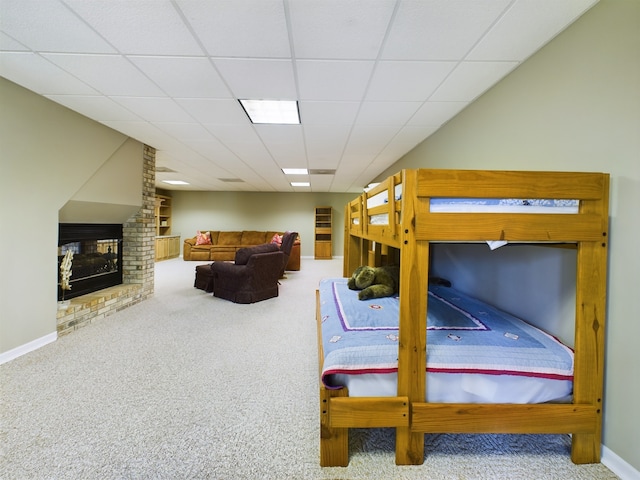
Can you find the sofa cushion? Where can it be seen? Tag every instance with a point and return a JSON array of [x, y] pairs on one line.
[[229, 238], [243, 254], [252, 237]]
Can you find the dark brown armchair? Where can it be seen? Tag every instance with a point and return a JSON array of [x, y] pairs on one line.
[[288, 238], [253, 276]]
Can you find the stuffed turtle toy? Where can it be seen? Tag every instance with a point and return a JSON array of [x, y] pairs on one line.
[[375, 282]]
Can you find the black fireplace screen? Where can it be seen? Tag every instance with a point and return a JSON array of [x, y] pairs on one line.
[[97, 257]]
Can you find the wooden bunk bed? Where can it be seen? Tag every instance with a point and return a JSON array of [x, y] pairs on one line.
[[408, 228]]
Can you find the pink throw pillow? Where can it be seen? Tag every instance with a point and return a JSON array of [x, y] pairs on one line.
[[203, 238]]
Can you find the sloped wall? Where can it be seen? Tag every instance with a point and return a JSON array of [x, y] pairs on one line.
[[49, 153]]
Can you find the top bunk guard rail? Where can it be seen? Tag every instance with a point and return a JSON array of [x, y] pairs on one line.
[[589, 189], [360, 213]]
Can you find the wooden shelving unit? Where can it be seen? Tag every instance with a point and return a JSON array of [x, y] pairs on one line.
[[167, 245], [323, 233], [163, 215]]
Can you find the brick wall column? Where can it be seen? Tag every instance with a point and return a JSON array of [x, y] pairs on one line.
[[138, 249]]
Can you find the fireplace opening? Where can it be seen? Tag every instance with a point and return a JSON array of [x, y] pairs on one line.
[[97, 256]]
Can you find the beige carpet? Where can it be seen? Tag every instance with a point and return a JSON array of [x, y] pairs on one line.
[[188, 386]]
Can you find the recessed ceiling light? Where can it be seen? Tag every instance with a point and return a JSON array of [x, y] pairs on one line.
[[300, 184], [272, 111], [295, 171], [175, 182], [231, 180]]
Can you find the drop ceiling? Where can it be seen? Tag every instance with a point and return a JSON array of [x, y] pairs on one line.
[[373, 77]]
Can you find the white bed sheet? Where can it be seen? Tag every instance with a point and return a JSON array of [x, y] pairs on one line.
[[463, 388]]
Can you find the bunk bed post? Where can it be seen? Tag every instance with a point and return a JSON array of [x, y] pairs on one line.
[[590, 329], [414, 263], [353, 247], [334, 441]]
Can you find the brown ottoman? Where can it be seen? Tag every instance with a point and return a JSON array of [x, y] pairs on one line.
[[204, 278]]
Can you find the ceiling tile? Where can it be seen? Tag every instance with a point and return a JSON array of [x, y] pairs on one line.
[[214, 111], [39, 75], [321, 183], [99, 108], [434, 114], [7, 44], [407, 81], [405, 140], [187, 77], [529, 24], [439, 29], [352, 174], [369, 139], [274, 134], [333, 80], [141, 131], [339, 29], [328, 113], [230, 28], [259, 78], [214, 150], [325, 142], [470, 79], [235, 132], [30, 22], [109, 74], [284, 144], [387, 113], [143, 27], [242, 140], [185, 131], [155, 109]]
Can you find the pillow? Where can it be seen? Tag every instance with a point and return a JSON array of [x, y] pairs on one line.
[[203, 238], [243, 254]]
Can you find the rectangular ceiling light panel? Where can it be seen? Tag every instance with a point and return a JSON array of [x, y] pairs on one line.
[[175, 182], [295, 171], [281, 112]]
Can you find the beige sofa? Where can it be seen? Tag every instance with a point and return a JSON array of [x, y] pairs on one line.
[[225, 244]]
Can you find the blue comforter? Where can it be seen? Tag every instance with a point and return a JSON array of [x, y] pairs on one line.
[[464, 336]]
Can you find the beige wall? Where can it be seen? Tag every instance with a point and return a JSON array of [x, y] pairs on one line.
[[257, 211], [49, 153], [574, 106]]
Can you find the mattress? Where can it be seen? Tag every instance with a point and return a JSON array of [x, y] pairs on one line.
[[476, 353], [479, 205]]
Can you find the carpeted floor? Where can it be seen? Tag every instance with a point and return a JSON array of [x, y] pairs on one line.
[[188, 386]]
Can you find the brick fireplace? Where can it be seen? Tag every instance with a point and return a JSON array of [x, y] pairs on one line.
[[138, 257]]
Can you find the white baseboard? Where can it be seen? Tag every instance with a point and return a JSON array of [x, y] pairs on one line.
[[27, 347], [618, 466]]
